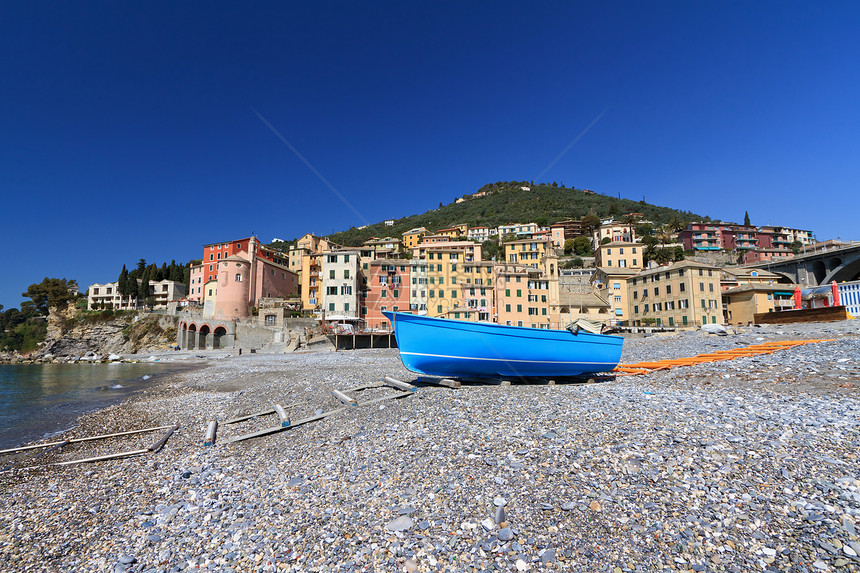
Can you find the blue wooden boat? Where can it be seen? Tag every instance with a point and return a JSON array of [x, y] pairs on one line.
[[461, 349]]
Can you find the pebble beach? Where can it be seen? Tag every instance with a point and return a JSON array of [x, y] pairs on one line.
[[742, 465]]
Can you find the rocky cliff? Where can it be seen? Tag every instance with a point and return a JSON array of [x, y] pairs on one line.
[[73, 333]]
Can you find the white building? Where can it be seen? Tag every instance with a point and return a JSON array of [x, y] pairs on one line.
[[481, 234], [340, 284], [107, 295], [418, 288], [518, 229]]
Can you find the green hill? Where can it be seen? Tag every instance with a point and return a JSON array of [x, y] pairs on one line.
[[506, 202]]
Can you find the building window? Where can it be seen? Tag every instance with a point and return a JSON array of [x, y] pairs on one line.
[[682, 287], [271, 320], [331, 306]]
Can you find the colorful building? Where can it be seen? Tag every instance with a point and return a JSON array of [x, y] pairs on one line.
[[611, 283], [387, 289], [620, 255], [448, 271], [527, 251], [340, 281], [412, 237], [523, 297], [100, 296], [685, 293]]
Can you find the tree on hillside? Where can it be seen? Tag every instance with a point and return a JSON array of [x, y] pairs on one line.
[[582, 246], [122, 281], [143, 286], [141, 266], [490, 249], [746, 219], [589, 223], [51, 293], [568, 246]]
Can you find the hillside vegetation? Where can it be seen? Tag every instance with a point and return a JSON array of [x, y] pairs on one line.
[[506, 202]]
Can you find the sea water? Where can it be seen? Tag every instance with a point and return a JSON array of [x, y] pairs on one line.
[[40, 400]]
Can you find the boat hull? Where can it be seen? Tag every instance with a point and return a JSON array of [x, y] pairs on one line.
[[455, 348]]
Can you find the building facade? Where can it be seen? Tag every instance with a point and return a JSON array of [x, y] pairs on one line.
[[387, 289], [620, 255], [101, 296], [340, 285], [684, 293]]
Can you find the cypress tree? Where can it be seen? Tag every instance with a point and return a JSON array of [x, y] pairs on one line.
[[143, 287], [746, 219], [122, 282], [141, 265]]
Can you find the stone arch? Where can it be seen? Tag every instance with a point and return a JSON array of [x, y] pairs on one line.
[[204, 336], [847, 272], [819, 271], [217, 334], [834, 264]]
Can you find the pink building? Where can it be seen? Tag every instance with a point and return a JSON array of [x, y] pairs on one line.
[[243, 279], [387, 289], [718, 236]]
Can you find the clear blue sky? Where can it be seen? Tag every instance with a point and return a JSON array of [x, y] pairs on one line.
[[128, 130]]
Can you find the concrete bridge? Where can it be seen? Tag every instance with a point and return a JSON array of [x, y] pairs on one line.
[[841, 263]]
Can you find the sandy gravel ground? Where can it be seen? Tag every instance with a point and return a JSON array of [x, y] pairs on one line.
[[747, 465]]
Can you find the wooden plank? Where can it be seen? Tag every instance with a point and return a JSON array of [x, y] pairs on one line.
[[395, 383], [78, 440], [343, 397], [156, 447], [209, 440], [285, 420]]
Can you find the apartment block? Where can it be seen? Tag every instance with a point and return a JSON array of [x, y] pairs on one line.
[[418, 286], [107, 295], [518, 229], [471, 252], [524, 297], [412, 237], [611, 283], [620, 254], [529, 252], [481, 234], [450, 278], [339, 286], [614, 231], [387, 289], [684, 293]]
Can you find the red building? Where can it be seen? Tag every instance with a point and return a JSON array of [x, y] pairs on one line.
[[214, 252], [387, 289]]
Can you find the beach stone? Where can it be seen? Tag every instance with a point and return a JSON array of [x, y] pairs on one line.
[[127, 559], [499, 515], [505, 534], [402, 523]]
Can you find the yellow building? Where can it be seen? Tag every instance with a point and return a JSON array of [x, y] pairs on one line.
[[472, 252], [454, 232], [684, 293], [743, 302], [457, 288], [731, 277], [529, 252], [612, 285], [311, 282], [524, 297], [412, 237], [620, 255]]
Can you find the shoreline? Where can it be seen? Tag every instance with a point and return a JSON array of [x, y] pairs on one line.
[[666, 471]]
